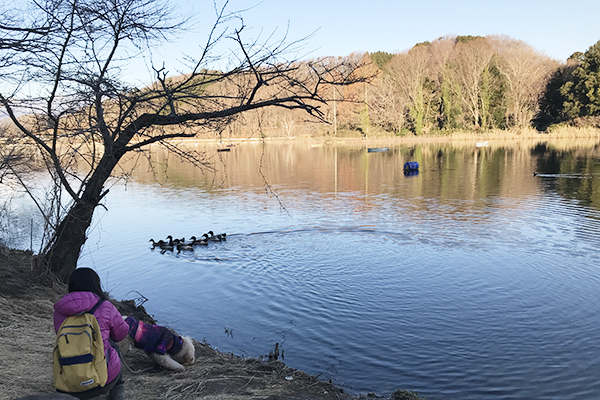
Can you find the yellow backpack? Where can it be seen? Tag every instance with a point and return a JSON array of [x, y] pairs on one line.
[[79, 361]]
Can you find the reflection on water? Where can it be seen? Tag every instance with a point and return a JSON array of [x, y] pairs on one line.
[[473, 279]]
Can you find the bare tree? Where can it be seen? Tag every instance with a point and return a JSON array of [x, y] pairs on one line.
[[526, 72], [16, 40], [85, 119], [388, 105], [441, 53], [409, 71], [289, 123], [469, 66]]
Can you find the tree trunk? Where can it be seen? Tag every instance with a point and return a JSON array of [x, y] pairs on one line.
[[62, 252], [60, 257]]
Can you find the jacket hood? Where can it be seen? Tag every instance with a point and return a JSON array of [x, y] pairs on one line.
[[75, 303]]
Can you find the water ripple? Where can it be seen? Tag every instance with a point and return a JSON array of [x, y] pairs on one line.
[[456, 298]]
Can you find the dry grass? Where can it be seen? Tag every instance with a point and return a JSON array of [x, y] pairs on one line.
[[27, 335], [555, 132], [25, 325], [558, 132]]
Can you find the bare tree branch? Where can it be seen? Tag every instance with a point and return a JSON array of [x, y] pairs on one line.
[[85, 119]]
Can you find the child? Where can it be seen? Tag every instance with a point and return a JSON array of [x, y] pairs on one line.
[[85, 291]]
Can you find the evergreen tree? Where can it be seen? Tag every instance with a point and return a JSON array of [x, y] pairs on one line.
[[551, 104], [381, 58], [582, 93], [467, 38]]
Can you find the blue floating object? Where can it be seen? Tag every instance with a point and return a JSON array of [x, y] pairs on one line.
[[411, 166]]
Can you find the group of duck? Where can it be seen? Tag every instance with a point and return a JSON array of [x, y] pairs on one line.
[[171, 244]]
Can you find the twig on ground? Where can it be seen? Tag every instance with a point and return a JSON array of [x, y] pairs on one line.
[[247, 383]]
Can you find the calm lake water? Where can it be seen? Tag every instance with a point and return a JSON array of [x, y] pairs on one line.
[[472, 279]]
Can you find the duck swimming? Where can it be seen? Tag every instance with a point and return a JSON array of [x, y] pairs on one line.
[[216, 238], [201, 242], [175, 241], [160, 243], [211, 236], [170, 244], [164, 246], [184, 247]]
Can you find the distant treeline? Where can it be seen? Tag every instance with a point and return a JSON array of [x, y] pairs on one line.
[[466, 83], [454, 83], [460, 83], [480, 83]]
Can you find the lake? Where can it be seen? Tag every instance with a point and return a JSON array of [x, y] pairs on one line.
[[471, 279]]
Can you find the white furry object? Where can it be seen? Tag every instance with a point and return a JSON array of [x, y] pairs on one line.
[[175, 362]]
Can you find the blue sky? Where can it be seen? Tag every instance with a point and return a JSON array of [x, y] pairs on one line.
[[341, 27], [557, 28]]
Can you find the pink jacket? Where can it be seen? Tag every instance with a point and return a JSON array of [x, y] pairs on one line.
[[111, 323]]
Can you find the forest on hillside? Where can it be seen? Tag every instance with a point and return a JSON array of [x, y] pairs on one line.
[[454, 83]]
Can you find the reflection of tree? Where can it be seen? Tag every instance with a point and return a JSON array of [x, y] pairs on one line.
[[457, 180], [84, 114], [456, 171], [572, 174]]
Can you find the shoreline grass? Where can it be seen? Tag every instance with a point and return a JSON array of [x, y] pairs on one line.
[[26, 344]]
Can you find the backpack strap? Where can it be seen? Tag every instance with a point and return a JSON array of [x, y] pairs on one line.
[[93, 309]]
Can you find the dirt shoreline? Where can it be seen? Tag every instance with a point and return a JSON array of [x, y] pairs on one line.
[[27, 336]]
